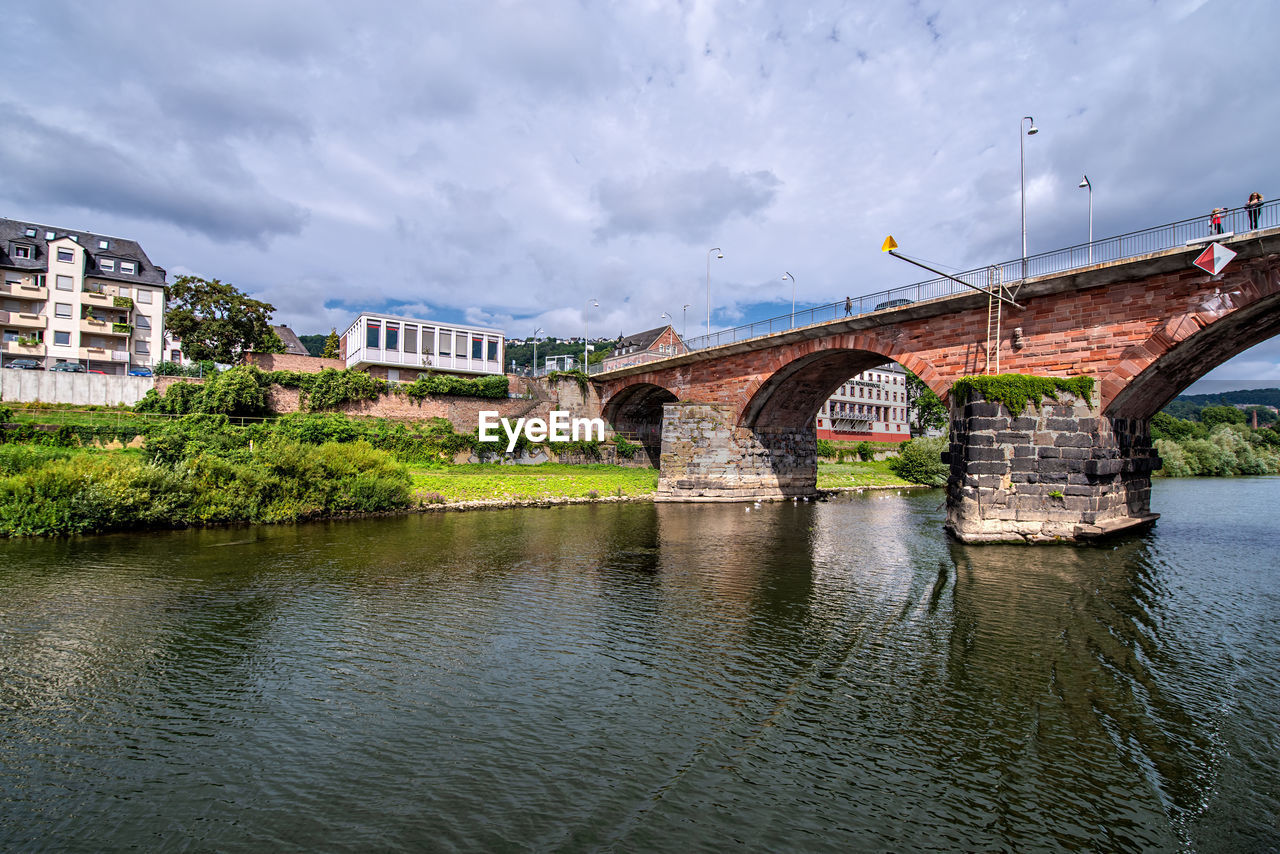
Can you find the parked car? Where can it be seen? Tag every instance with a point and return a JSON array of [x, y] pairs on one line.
[[25, 365], [69, 367], [140, 372], [893, 303]]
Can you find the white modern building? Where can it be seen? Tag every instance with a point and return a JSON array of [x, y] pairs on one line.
[[74, 296], [870, 407], [400, 348]]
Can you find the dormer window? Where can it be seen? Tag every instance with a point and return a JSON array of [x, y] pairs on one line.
[[31, 232], [108, 265], [104, 244], [21, 251], [66, 255], [50, 235], [129, 267]]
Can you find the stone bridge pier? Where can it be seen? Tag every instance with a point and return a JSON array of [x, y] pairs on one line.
[[707, 456], [1059, 471]]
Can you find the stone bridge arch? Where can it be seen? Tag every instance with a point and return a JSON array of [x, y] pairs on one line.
[[1241, 312], [636, 409]]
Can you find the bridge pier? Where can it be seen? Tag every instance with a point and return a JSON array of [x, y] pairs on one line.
[[707, 457], [1062, 472]]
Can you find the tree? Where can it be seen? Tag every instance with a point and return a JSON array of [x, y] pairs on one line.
[[214, 320], [331, 344], [1212, 416], [926, 410]]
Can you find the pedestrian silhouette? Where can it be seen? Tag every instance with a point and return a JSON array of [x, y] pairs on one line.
[[848, 306], [1253, 207], [1215, 219]]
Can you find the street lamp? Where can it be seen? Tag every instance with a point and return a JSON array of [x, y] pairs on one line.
[[1022, 159], [718, 255], [1084, 182], [535, 351], [586, 316], [684, 313], [786, 276]]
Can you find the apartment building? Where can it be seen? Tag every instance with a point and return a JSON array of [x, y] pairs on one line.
[[642, 347], [75, 296], [400, 348], [870, 407]]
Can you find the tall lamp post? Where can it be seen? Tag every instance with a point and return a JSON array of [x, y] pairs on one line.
[[684, 313], [1022, 160], [586, 316], [535, 351], [1084, 183], [786, 276], [718, 255]]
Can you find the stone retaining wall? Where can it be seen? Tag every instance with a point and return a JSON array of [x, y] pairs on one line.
[[706, 457], [1062, 472]]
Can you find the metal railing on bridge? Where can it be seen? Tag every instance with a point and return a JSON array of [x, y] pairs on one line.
[[1200, 229]]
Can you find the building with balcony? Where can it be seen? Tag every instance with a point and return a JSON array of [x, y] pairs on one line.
[[75, 296], [870, 407], [401, 348]]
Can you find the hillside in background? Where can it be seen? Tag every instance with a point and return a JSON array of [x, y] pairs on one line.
[[1188, 406]]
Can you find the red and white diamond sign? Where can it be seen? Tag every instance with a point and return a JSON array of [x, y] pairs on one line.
[[1214, 258]]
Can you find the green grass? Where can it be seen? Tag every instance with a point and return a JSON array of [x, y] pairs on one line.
[[855, 474], [480, 482]]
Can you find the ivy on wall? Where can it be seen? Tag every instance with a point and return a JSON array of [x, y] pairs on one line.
[[1015, 391]]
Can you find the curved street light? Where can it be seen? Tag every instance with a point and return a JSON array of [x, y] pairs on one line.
[[586, 317], [719, 255], [1084, 183], [1022, 160], [786, 276]]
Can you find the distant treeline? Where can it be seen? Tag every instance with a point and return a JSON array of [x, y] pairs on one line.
[[1191, 406]]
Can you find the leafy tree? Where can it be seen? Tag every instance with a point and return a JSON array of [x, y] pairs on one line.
[[216, 321], [926, 410], [920, 461], [331, 345], [1212, 416], [1165, 426]]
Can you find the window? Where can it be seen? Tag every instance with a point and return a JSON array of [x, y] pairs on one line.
[[40, 280], [144, 295], [20, 251], [49, 235], [10, 336], [142, 348], [410, 339], [74, 237], [65, 283], [62, 309], [102, 244], [175, 355], [477, 347], [393, 336], [142, 321], [493, 349], [62, 339], [129, 267], [66, 256], [446, 342], [108, 264], [30, 232], [373, 335]]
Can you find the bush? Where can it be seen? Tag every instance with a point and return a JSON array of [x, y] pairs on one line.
[[864, 451], [826, 448], [624, 449], [1174, 462], [920, 461]]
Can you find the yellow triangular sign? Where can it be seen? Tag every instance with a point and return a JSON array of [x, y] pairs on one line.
[[889, 244]]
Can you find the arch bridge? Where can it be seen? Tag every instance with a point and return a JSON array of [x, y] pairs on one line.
[[736, 421]]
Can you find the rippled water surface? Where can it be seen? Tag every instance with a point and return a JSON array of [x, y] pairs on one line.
[[793, 677]]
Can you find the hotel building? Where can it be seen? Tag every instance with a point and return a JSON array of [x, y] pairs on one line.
[[74, 296], [870, 407], [400, 348]]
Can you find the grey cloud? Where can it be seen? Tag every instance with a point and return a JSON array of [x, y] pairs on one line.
[[689, 205], [51, 165]]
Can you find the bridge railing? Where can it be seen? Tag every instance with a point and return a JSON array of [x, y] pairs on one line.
[[1200, 229]]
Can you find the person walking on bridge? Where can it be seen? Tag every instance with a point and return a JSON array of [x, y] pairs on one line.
[[1254, 207], [848, 306]]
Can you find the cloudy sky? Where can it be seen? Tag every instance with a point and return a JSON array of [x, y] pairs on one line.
[[504, 162]]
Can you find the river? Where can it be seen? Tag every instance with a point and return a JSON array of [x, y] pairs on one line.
[[831, 676]]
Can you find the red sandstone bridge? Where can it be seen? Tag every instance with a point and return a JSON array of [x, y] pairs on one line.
[[733, 419]]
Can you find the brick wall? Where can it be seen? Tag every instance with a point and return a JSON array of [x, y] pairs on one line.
[[290, 362]]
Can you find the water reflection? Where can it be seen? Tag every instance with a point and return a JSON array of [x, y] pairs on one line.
[[795, 676]]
